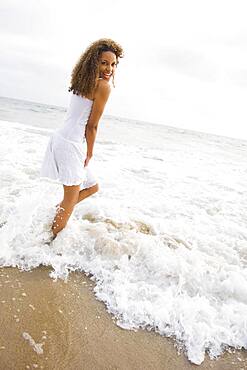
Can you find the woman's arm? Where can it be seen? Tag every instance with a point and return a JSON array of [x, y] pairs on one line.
[[101, 95]]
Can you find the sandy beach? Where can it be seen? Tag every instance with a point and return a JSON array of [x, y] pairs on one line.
[[47, 324]]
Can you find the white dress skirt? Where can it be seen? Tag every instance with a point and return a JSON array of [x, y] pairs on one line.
[[66, 150]]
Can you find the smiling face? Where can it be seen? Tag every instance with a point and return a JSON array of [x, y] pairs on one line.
[[107, 65]]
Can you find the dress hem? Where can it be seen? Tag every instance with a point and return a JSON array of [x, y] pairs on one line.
[[70, 183]]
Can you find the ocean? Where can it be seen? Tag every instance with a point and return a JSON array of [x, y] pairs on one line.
[[165, 238]]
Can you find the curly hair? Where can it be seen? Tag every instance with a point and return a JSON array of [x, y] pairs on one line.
[[86, 72]]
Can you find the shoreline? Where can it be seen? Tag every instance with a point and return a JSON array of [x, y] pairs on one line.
[[49, 324]]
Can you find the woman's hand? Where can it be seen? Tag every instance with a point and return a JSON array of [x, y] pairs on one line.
[[87, 160]]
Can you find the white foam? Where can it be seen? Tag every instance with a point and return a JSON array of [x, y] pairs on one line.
[[165, 240], [37, 347]]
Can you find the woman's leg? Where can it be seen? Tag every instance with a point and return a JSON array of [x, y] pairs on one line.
[[83, 194], [87, 192], [71, 195]]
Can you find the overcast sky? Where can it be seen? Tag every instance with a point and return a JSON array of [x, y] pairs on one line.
[[185, 61]]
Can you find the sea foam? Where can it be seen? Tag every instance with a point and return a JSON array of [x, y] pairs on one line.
[[164, 238]]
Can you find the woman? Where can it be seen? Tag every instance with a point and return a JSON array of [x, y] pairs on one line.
[[65, 157]]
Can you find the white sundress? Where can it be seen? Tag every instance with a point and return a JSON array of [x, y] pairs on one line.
[[66, 150]]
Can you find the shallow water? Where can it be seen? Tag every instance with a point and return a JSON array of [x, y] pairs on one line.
[[165, 237]]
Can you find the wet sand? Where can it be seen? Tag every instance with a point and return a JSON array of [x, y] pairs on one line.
[[47, 324]]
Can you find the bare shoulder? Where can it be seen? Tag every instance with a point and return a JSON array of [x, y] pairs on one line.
[[103, 88]]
